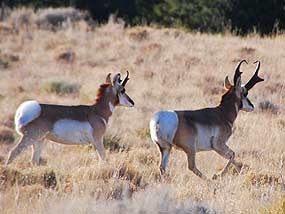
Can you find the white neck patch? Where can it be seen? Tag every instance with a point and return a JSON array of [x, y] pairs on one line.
[[104, 121], [111, 107]]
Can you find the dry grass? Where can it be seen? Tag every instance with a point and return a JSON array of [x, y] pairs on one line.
[[169, 69]]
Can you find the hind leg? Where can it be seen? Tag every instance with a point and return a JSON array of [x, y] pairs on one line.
[[23, 144], [192, 165], [164, 156], [36, 152]]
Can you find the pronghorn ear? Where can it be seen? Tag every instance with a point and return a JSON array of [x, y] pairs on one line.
[[108, 79], [117, 80], [227, 83]]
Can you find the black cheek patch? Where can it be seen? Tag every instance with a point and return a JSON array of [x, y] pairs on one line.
[[250, 103]]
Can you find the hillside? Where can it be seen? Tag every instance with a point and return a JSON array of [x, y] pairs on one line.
[[169, 69]]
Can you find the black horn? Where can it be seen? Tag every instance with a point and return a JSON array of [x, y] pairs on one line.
[[237, 72], [126, 79], [255, 78]]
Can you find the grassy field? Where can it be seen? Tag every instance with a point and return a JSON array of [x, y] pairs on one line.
[[169, 69]]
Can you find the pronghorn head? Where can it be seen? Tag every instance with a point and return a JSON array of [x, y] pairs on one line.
[[119, 91], [239, 91]]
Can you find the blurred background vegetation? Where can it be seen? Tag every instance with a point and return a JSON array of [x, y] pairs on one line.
[[266, 17]]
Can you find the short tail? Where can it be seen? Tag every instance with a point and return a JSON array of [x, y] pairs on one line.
[[26, 113], [154, 128]]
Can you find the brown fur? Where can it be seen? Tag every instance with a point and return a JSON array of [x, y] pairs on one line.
[[206, 129], [100, 92], [210, 128], [222, 116], [94, 117]]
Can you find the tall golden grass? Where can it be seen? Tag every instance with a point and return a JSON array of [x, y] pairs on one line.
[[169, 69]]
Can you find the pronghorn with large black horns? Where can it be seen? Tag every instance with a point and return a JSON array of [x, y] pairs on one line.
[[83, 124], [205, 129]]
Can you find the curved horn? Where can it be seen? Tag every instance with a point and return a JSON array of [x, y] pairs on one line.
[[126, 79], [255, 78], [237, 72]]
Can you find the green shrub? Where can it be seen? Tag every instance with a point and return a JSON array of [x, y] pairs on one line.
[[6, 60], [61, 87], [276, 207], [4, 63], [113, 143], [143, 133], [13, 176], [6, 135]]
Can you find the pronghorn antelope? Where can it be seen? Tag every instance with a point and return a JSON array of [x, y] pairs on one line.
[[205, 129], [84, 124]]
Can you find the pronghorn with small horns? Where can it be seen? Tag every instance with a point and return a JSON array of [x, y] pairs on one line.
[[205, 129], [83, 124]]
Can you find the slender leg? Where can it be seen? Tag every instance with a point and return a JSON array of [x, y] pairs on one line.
[[192, 165], [36, 152], [23, 143], [238, 165], [164, 160], [227, 153], [164, 156], [100, 149], [160, 159]]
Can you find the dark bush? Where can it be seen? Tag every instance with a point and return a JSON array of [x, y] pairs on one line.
[[61, 87], [113, 144], [267, 106], [239, 16], [6, 135]]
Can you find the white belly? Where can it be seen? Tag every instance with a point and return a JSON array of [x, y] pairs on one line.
[[206, 137], [73, 131]]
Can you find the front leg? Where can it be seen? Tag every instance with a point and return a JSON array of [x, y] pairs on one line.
[[226, 152], [99, 145]]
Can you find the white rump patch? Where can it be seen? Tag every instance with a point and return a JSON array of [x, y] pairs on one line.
[[153, 126], [73, 131], [26, 113], [163, 125]]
